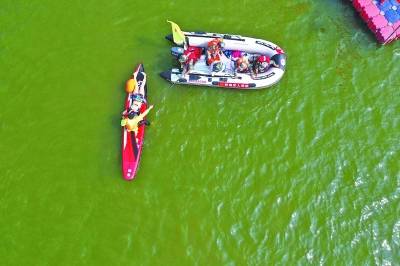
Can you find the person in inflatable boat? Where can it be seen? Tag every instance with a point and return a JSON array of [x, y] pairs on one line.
[[189, 57], [242, 64], [214, 50], [262, 64]]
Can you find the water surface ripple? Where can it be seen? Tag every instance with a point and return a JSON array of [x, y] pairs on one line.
[[304, 173]]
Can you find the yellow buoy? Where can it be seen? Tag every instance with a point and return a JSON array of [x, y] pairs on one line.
[[130, 85]]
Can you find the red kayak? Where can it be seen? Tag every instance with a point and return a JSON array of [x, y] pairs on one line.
[[132, 143]]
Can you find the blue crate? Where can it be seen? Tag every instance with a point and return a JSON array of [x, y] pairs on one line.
[[392, 16], [385, 6], [395, 3]]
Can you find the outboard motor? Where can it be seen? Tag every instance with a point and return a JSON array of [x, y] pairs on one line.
[[279, 60], [177, 51]]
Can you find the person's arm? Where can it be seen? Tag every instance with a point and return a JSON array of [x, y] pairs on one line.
[[142, 115]]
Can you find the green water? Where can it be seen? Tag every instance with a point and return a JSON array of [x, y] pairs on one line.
[[304, 173]]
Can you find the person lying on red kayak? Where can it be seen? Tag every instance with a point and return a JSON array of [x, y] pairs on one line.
[[262, 64], [214, 50], [133, 121], [189, 57], [132, 117]]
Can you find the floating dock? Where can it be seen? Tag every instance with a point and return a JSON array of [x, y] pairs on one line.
[[382, 18]]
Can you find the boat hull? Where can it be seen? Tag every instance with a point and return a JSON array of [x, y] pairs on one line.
[[202, 75], [132, 144]]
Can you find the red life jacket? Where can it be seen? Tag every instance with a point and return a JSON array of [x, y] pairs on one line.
[[193, 53], [213, 59]]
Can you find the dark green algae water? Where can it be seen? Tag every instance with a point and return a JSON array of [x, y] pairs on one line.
[[304, 173]]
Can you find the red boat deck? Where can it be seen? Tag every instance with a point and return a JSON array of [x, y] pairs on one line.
[[382, 18]]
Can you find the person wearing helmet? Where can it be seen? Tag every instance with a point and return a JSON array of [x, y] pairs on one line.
[[262, 64], [189, 57]]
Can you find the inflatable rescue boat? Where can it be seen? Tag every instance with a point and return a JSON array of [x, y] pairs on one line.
[[224, 60]]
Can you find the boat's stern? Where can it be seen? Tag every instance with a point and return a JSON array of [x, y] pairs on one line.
[[166, 75], [169, 37]]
